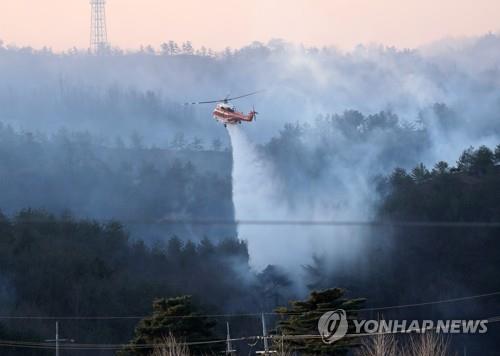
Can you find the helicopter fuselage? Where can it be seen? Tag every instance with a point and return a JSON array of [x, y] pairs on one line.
[[226, 114]]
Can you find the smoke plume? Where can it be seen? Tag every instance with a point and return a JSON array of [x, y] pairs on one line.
[[259, 195]]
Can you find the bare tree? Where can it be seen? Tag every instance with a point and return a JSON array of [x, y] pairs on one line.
[[170, 347], [428, 344], [425, 344], [379, 345]]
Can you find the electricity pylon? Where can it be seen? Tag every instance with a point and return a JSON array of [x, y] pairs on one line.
[[98, 30]]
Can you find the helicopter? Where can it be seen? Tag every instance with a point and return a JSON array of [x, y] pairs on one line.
[[226, 113]]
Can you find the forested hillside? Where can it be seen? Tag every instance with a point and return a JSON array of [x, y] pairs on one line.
[[137, 184], [430, 262], [468, 191], [62, 266], [446, 260], [102, 167]]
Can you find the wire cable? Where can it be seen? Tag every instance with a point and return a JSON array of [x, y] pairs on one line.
[[360, 223], [233, 315], [39, 345]]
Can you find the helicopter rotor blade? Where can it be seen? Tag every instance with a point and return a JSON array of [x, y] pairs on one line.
[[245, 95], [225, 100], [204, 102]]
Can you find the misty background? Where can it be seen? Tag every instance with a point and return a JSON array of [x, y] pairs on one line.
[[109, 137]]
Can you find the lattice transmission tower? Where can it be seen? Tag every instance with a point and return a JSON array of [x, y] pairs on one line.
[[98, 31]]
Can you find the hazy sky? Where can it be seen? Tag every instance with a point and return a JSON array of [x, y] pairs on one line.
[[62, 24]]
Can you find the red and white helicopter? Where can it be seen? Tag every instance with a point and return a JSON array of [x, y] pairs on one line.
[[226, 113]]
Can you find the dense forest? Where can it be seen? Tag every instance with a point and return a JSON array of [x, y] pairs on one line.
[[431, 262], [102, 167], [62, 265], [466, 192], [140, 186]]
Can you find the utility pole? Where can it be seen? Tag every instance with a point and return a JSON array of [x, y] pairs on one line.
[[229, 347], [265, 339], [98, 29], [264, 334], [57, 340]]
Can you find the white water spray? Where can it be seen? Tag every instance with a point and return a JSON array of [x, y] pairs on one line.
[[257, 195], [255, 188]]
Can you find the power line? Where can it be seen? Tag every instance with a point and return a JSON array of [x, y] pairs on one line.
[[444, 301], [490, 320], [361, 223], [235, 315], [373, 223], [35, 345], [89, 346]]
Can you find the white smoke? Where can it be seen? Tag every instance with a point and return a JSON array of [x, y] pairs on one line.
[[257, 196]]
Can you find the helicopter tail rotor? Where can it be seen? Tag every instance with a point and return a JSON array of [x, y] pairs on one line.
[[254, 113]]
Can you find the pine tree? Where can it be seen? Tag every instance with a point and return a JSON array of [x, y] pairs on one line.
[[497, 154], [176, 317], [420, 173], [302, 319]]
